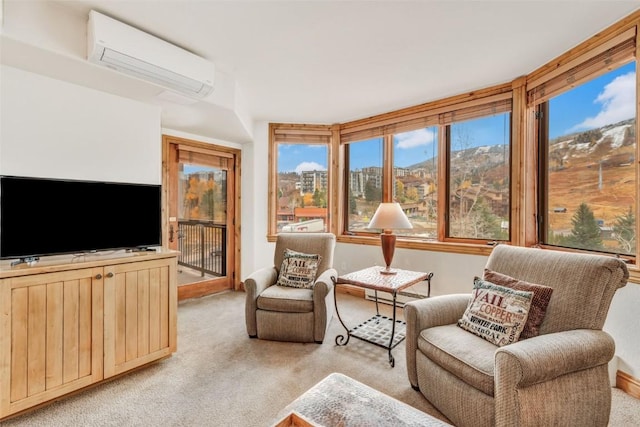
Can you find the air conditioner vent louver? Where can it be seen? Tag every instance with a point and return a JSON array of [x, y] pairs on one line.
[[130, 51]]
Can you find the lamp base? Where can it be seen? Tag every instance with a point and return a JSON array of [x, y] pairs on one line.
[[388, 272]]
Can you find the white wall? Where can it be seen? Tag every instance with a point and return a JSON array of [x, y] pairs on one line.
[[54, 129], [623, 323], [453, 273]]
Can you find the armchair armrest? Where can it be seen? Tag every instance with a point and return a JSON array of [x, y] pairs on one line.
[[545, 357], [324, 283], [260, 280], [254, 285], [323, 306], [427, 313]]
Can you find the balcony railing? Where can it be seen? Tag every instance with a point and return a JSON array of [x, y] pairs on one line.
[[203, 246]]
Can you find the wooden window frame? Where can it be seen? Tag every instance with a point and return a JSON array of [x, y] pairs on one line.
[[539, 104], [287, 133], [524, 147], [441, 114]]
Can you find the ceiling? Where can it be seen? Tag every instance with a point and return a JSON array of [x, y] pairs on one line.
[[330, 61]]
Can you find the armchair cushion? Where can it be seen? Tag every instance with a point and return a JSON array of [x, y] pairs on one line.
[[466, 356], [286, 299], [496, 313], [539, 303], [298, 270]]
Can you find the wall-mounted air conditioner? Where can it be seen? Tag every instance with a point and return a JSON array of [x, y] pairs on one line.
[[118, 46]]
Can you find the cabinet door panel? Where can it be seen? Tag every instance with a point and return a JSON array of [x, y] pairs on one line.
[[55, 323], [140, 312], [19, 321], [37, 339], [55, 298]]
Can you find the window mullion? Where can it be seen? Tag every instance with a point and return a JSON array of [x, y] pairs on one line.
[[443, 177], [387, 172]]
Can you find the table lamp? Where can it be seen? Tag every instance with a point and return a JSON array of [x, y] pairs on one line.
[[388, 217]]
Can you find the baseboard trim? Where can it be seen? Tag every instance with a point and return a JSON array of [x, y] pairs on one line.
[[351, 290], [628, 384]]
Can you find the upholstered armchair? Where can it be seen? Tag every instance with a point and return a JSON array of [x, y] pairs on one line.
[[283, 313], [559, 377]]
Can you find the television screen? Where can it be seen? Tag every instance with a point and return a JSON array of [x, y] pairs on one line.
[[51, 216]]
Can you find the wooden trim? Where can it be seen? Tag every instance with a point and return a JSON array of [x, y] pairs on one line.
[[294, 128], [194, 144], [203, 288], [449, 247], [524, 146], [336, 181], [276, 131], [234, 218], [580, 59], [584, 47], [385, 126], [435, 107], [272, 198], [635, 274], [350, 290], [387, 169], [517, 150], [207, 151], [529, 176], [237, 218], [443, 176], [628, 384]]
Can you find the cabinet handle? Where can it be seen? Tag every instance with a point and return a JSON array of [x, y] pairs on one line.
[[109, 274], [98, 276]]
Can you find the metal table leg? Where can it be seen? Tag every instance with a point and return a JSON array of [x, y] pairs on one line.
[[392, 361], [340, 339]]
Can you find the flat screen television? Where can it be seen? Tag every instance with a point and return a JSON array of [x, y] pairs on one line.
[[40, 216]]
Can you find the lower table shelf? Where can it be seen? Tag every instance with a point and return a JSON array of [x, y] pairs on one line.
[[378, 329]]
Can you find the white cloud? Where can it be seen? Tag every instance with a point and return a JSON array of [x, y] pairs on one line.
[[309, 166], [618, 103], [415, 138]]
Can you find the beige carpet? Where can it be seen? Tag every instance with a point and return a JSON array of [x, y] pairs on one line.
[[220, 377]]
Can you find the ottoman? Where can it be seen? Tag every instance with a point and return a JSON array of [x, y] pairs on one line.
[[339, 400]]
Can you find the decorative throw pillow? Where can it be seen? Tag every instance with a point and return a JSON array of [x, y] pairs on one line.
[[298, 270], [496, 313], [539, 303]]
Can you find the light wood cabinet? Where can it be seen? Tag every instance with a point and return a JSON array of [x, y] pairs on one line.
[[66, 326], [139, 315]]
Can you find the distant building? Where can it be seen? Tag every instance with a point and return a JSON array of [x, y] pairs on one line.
[[358, 180], [312, 181]]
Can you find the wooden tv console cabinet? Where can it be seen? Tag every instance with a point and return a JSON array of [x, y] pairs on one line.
[[70, 322]]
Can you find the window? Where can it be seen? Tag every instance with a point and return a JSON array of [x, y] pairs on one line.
[[587, 143], [549, 159], [589, 170], [478, 161], [463, 197], [364, 182], [415, 178], [300, 178]]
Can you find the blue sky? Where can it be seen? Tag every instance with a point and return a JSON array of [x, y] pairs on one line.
[[604, 100]]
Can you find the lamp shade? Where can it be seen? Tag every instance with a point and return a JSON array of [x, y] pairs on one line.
[[389, 216]]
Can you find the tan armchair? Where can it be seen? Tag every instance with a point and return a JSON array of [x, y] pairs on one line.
[[290, 314], [559, 377]]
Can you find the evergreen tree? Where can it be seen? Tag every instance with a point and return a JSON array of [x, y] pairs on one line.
[[625, 232], [371, 193], [585, 233]]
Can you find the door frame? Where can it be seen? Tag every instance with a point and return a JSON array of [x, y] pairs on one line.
[[232, 280]]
